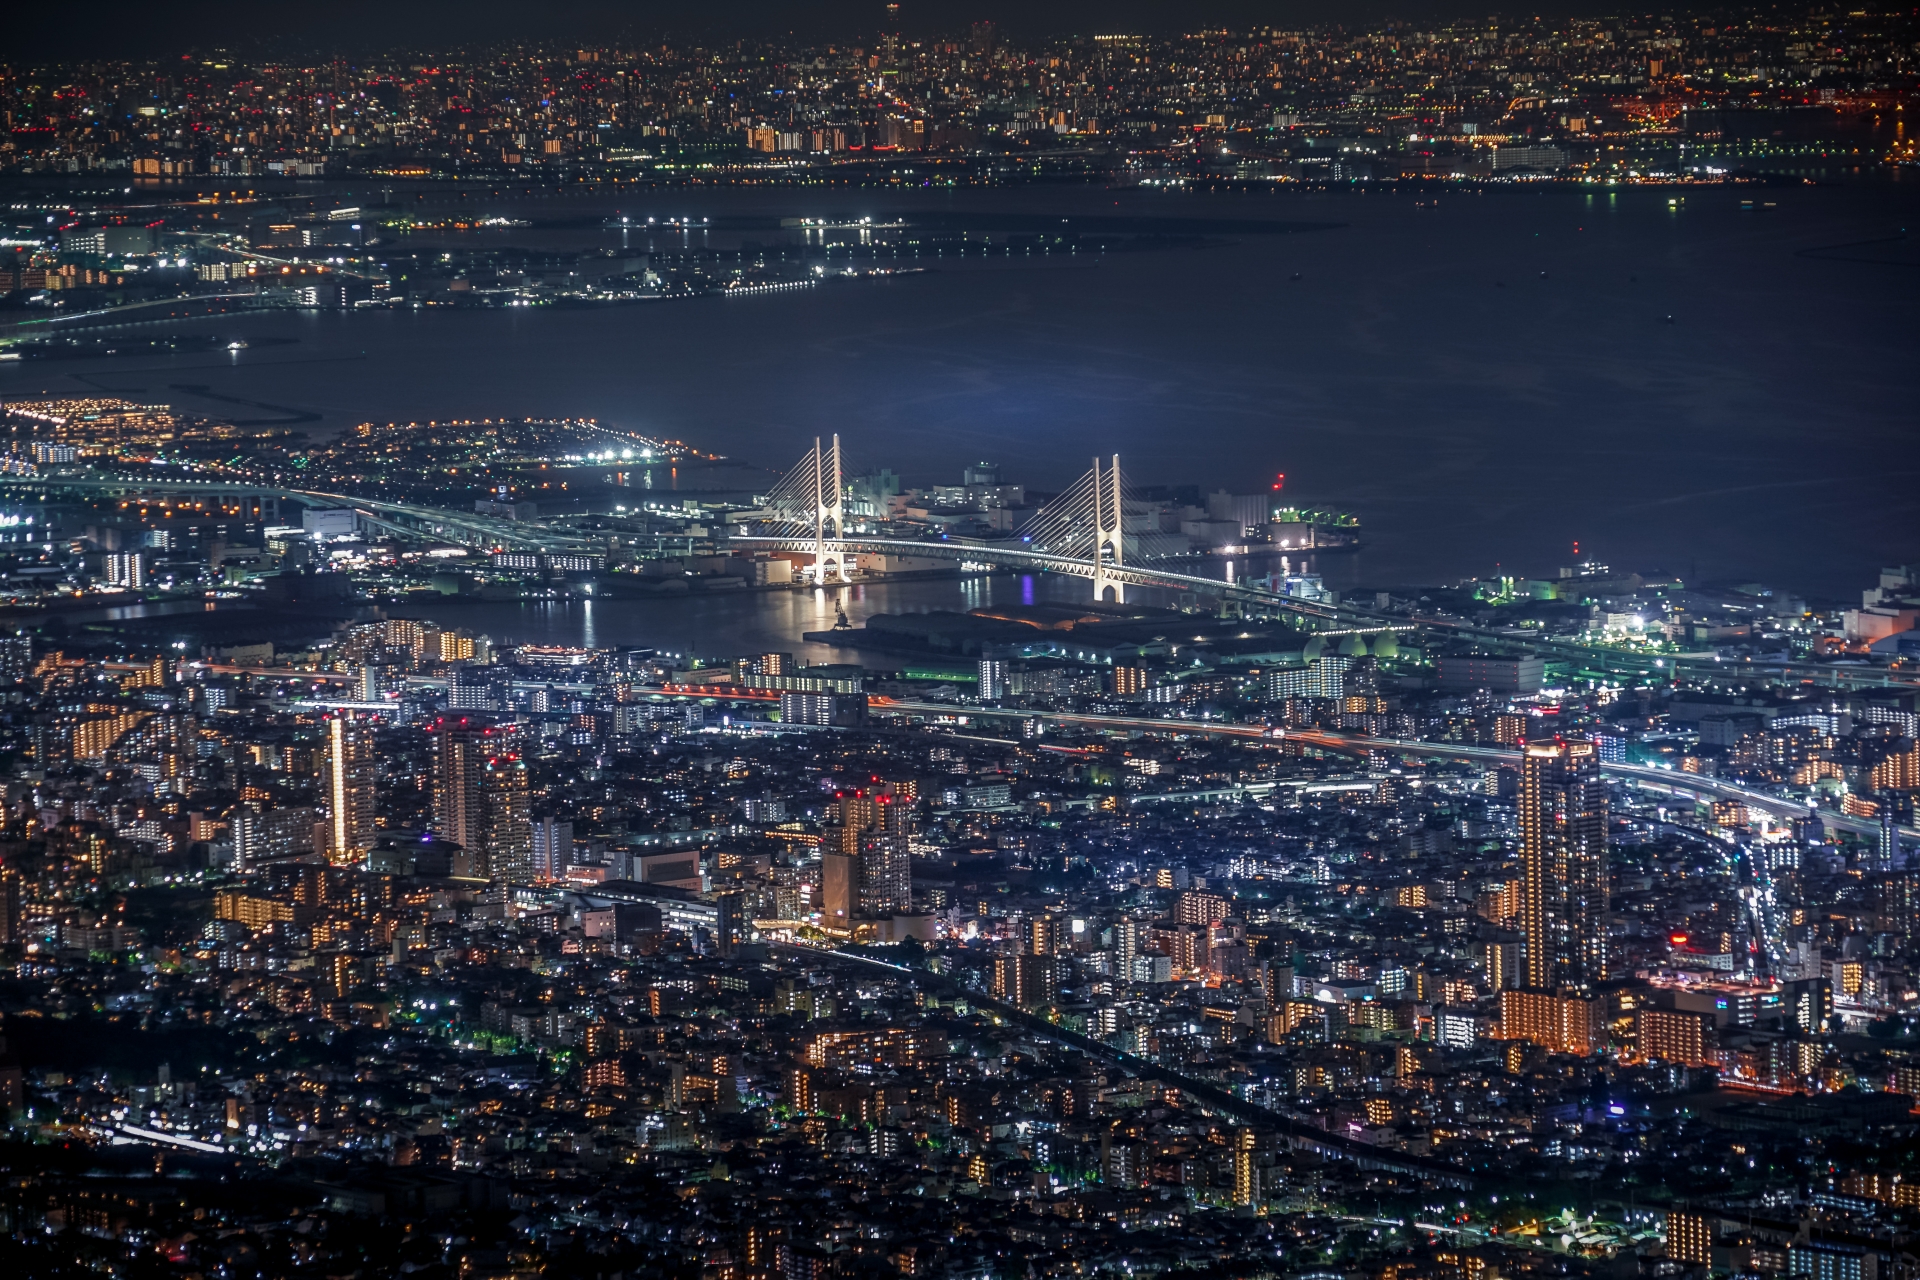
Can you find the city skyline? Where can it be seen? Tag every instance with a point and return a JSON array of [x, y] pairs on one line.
[[886, 642], [196, 26]]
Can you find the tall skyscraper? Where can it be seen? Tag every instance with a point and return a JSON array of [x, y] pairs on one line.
[[482, 802], [458, 749], [346, 776], [866, 864], [858, 810], [509, 815], [1563, 857]]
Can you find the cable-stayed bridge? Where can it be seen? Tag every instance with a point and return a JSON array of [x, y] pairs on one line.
[[1082, 532]]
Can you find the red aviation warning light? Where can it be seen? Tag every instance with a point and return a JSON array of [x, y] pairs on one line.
[[1280, 482]]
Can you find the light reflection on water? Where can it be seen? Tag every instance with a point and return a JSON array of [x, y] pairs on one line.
[[726, 624], [721, 623], [145, 609]]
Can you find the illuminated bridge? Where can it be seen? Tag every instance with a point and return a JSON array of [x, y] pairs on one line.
[[1082, 532]]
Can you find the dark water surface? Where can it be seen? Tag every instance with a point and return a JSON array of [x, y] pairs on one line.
[[1688, 387], [700, 624], [739, 622]]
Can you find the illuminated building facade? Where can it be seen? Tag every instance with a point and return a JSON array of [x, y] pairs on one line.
[[1563, 860]]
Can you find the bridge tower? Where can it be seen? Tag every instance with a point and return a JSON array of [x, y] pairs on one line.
[[1109, 551], [829, 514]]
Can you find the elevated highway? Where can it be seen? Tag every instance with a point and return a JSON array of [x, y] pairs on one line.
[[1683, 786], [407, 519]]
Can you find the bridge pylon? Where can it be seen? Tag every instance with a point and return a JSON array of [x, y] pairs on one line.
[[1109, 539], [829, 514]]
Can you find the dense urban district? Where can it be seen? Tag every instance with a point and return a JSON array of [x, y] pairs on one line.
[[417, 179], [1606, 97], [1511, 927]]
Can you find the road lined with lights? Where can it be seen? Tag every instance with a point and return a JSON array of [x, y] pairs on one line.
[[1685, 786]]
